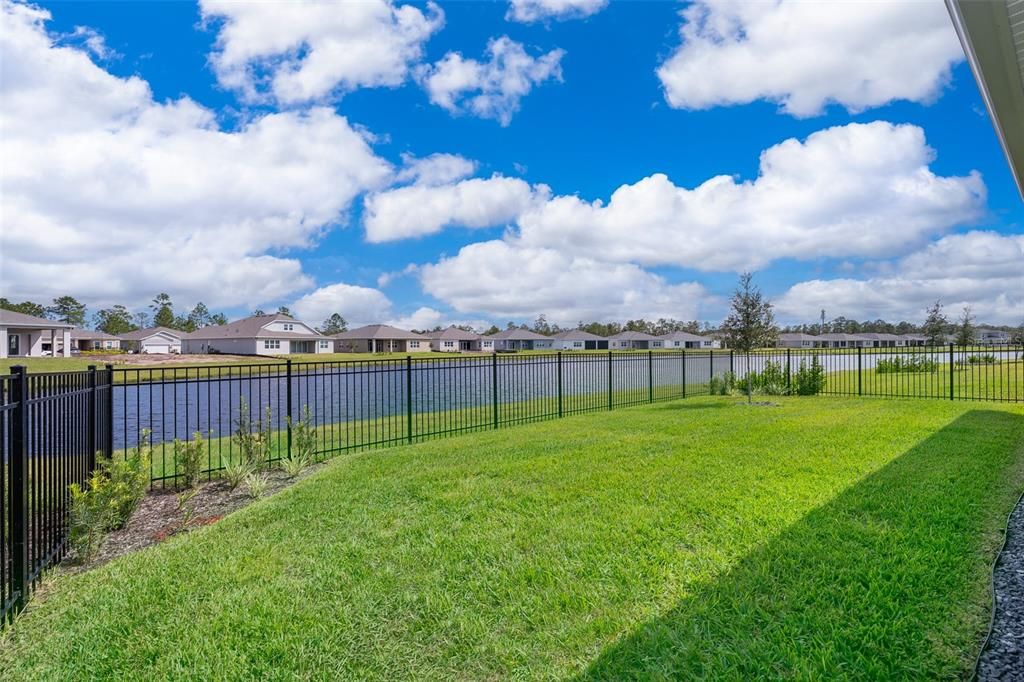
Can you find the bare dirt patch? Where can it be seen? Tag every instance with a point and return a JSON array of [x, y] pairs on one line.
[[144, 359]]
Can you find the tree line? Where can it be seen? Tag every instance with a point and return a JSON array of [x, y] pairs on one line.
[[118, 319]]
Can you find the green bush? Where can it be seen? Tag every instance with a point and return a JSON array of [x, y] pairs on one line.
[[899, 365], [256, 484], [236, 472], [770, 381], [986, 359], [188, 459], [303, 445], [253, 437], [809, 380], [109, 498], [722, 385]]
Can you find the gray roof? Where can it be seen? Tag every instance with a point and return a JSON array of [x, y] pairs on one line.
[[577, 335], [683, 336], [453, 333], [378, 331], [879, 336], [9, 318], [841, 337], [252, 327], [519, 335], [92, 335], [797, 336], [140, 334], [634, 336]]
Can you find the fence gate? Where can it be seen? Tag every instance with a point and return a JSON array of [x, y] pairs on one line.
[[51, 427]]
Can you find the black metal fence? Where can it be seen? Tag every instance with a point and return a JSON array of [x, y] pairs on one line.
[[51, 427], [53, 424]]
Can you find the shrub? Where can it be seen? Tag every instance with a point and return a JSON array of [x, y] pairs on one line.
[[986, 359], [235, 473], [256, 484], [253, 437], [899, 365], [303, 445], [809, 380], [109, 498], [188, 459], [771, 380], [722, 385]]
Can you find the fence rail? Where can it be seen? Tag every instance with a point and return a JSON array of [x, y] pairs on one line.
[[54, 424]]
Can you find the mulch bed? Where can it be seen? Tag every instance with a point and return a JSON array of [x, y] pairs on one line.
[[160, 516], [1003, 657]]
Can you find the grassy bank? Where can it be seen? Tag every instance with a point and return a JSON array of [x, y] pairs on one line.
[[816, 539]]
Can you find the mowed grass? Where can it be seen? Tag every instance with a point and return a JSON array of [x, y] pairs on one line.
[[998, 381], [820, 539]]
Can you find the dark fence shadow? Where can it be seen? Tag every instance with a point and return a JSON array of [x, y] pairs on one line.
[[886, 581]]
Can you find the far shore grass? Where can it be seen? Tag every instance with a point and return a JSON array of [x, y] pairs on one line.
[[699, 539]]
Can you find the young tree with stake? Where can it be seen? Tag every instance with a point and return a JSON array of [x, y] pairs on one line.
[[751, 322]]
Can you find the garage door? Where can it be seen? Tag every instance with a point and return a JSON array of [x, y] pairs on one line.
[[157, 348]]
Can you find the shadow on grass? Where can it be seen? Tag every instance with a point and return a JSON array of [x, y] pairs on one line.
[[887, 580]]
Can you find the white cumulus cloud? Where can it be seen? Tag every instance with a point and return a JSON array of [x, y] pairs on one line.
[[305, 50], [529, 11], [805, 55], [857, 190], [980, 269], [112, 196], [493, 88], [502, 280], [358, 305]]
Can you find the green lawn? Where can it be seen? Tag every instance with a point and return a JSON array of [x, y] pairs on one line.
[[821, 539], [998, 381]]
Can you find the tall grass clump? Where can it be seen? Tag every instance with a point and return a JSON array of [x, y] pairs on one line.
[[900, 365]]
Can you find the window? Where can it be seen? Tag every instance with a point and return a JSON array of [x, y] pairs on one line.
[[323, 344], [415, 344], [271, 344], [577, 344], [288, 326], [449, 344]]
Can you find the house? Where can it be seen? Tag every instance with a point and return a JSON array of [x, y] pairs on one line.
[[24, 336], [635, 341], [152, 340], [521, 339], [881, 340], [843, 341], [258, 335], [991, 337], [380, 338], [92, 339], [912, 340], [797, 340], [681, 340], [577, 339], [455, 340]]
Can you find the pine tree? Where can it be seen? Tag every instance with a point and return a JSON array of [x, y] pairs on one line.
[[965, 328], [67, 309], [335, 324], [163, 311], [116, 320], [935, 325]]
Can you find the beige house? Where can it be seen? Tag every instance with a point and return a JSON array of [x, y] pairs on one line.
[[455, 340], [380, 338], [682, 340], [517, 339], [152, 340], [258, 335], [92, 339], [28, 336], [635, 341]]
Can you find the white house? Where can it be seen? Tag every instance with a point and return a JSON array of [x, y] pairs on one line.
[[577, 339], [844, 341], [455, 340], [992, 337], [380, 338], [23, 336], [635, 341], [797, 340], [152, 340], [258, 335], [92, 339], [681, 340], [521, 339]]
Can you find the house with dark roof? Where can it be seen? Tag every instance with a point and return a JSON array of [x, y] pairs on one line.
[[380, 338], [455, 340], [152, 340], [635, 341], [258, 335], [577, 339], [517, 339], [25, 336]]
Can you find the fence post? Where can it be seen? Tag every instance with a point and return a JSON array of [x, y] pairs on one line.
[[93, 416], [860, 372], [408, 397], [951, 369], [110, 412], [732, 365], [494, 385], [559, 383], [650, 376], [711, 365], [18, 462], [789, 369], [684, 372], [609, 380], [288, 402]]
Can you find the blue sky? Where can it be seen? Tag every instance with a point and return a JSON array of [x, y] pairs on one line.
[[603, 116]]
